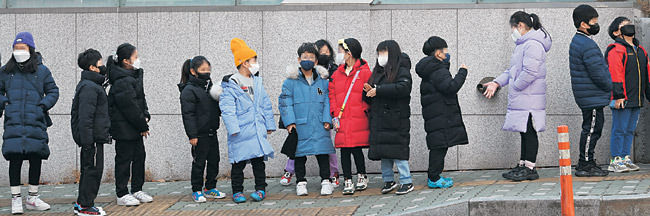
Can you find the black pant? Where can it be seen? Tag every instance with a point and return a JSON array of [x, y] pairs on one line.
[[206, 149], [436, 163], [237, 175], [34, 171], [129, 162], [529, 142], [592, 127], [92, 168], [323, 165], [346, 161]]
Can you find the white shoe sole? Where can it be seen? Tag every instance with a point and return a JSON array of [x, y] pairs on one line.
[[285, 184], [34, 208], [402, 193], [215, 197], [326, 192], [127, 204]]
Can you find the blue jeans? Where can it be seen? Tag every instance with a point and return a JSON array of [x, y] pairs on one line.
[[387, 173], [623, 126]]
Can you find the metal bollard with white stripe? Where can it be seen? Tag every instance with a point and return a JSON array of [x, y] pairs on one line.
[[566, 179]]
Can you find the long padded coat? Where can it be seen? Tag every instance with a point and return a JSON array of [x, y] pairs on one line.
[[25, 127], [308, 107], [527, 79], [246, 120], [443, 120], [390, 113]]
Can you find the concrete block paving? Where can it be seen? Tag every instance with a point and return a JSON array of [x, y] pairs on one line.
[[173, 198]]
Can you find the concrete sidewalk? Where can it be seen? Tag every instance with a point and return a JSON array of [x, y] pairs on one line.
[[474, 193]]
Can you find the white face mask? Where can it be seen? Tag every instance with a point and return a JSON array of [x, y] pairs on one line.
[[382, 60], [515, 35], [254, 68], [340, 58], [21, 55], [137, 64]]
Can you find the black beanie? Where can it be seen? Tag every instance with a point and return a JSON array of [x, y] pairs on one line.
[[583, 13], [354, 47], [432, 44]]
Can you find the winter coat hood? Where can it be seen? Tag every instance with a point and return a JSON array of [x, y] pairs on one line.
[[537, 35], [293, 72], [423, 70]]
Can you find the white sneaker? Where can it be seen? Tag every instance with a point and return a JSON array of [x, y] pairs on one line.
[[128, 200], [362, 182], [326, 187], [628, 163], [17, 205], [143, 197], [35, 203], [301, 189], [617, 165], [348, 187]]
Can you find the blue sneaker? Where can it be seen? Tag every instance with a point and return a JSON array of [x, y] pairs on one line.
[[238, 197], [258, 195], [214, 193], [198, 197], [441, 183]]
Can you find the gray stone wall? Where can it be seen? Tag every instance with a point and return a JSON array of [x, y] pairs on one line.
[[479, 38]]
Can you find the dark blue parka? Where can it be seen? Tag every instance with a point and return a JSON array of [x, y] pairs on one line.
[[590, 78], [23, 95]]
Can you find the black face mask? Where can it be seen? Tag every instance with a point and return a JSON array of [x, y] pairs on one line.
[[628, 30], [593, 29], [103, 70], [203, 76], [323, 60]]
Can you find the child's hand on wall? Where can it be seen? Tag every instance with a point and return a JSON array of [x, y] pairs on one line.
[[194, 141]]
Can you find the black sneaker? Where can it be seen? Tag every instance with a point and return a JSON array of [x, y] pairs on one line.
[[591, 170], [404, 189], [388, 187], [525, 174], [90, 211], [508, 175]]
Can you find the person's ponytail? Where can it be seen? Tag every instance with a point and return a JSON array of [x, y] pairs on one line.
[[537, 24], [110, 62], [185, 71]]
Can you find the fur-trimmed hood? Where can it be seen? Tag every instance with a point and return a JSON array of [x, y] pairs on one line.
[[215, 92], [293, 71]]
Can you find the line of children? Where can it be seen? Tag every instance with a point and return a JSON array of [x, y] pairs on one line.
[[374, 114], [200, 111]]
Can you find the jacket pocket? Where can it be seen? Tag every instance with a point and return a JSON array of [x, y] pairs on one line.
[[301, 121], [390, 119]]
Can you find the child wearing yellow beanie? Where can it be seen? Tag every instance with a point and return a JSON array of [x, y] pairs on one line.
[[248, 115]]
